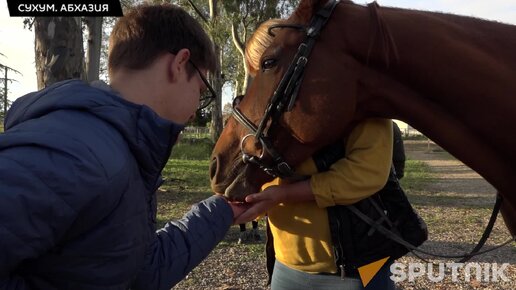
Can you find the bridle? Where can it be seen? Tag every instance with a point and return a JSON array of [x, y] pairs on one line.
[[283, 98]]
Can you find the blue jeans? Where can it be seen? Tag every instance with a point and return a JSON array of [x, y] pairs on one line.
[[285, 278]]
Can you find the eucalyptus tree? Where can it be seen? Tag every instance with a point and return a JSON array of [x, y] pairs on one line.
[[58, 48], [93, 47], [245, 16], [210, 14]]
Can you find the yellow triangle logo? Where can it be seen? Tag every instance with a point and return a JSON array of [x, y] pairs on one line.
[[368, 271]]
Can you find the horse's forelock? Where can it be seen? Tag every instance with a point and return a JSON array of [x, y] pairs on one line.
[[257, 44], [261, 39]]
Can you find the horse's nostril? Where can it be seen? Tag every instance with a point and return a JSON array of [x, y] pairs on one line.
[[213, 167]]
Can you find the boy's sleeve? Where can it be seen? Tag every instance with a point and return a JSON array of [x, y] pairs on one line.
[[363, 171], [181, 245]]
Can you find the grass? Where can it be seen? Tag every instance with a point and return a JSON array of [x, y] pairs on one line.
[[417, 175], [192, 149], [186, 179]]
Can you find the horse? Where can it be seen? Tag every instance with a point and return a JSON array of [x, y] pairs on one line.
[[451, 77]]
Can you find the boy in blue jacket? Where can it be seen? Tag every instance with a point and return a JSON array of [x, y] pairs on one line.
[[80, 164]]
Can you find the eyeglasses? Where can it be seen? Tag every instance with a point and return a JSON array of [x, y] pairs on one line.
[[208, 95]]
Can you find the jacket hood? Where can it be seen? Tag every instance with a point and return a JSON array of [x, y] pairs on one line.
[[149, 136]]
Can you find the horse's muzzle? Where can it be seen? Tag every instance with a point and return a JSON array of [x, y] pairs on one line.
[[231, 182]]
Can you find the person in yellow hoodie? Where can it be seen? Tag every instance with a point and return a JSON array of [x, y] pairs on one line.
[[297, 212]]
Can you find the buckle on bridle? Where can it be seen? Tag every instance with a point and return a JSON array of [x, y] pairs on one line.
[[285, 169]]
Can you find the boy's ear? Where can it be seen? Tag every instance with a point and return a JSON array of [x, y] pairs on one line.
[[179, 63]]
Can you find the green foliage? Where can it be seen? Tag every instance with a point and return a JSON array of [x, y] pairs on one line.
[[251, 12], [201, 118], [417, 175], [186, 182], [186, 178], [192, 149]]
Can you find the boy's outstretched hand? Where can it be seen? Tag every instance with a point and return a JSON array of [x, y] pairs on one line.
[[259, 203]]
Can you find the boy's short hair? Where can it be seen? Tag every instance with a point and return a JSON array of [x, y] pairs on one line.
[[148, 31]]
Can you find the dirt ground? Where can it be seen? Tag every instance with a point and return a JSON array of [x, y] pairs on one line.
[[456, 204], [451, 176]]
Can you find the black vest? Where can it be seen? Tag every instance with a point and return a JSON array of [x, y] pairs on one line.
[[363, 232], [360, 232]]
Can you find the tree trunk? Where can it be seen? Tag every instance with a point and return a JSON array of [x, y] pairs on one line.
[[236, 88], [59, 50], [240, 46], [5, 93], [94, 25], [216, 113]]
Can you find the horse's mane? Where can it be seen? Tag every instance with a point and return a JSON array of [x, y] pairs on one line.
[[387, 44], [256, 45], [261, 39], [307, 8]]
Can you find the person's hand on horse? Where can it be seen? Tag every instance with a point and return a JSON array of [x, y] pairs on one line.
[[258, 203], [238, 209], [262, 201]]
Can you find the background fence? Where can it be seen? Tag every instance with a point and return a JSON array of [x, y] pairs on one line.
[[195, 133]]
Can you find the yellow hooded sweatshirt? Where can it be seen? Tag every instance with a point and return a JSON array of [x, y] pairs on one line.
[[301, 232]]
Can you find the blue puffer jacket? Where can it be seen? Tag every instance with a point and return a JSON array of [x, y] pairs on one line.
[[78, 170]]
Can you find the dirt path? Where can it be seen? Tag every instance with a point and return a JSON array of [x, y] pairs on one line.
[[452, 176], [456, 204]]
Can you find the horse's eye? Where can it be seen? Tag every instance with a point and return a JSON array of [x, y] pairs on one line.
[[268, 63]]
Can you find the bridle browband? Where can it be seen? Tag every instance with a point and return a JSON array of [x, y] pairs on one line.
[[283, 98]]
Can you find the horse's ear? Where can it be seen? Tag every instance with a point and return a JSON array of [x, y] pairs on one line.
[[307, 8]]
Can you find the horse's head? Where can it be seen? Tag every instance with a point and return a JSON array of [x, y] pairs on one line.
[[298, 101]]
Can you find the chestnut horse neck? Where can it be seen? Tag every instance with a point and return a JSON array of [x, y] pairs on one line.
[[452, 72], [454, 81]]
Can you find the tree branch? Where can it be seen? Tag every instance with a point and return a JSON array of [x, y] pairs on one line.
[[199, 12], [9, 68], [236, 40]]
